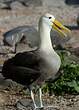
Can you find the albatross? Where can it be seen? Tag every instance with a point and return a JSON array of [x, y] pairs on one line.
[[37, 66]]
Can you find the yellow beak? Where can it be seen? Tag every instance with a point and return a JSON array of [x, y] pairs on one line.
[[60, 28]]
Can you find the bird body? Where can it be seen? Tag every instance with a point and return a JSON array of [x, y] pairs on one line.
[[48, 63], [27, 67], [38, 65]]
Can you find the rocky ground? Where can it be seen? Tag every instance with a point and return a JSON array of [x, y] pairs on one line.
[[10, 96], [20, 15]]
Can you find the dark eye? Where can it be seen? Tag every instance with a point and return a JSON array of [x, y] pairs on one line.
[[50, 17]]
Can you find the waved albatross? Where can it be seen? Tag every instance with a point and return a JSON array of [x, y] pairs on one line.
[[37, 66]]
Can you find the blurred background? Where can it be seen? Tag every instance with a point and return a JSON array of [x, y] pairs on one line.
[[14, 13]]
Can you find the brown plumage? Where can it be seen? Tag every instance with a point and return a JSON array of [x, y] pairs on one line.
[[23, 68]]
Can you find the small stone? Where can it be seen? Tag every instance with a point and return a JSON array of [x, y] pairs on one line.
[[23, 104]]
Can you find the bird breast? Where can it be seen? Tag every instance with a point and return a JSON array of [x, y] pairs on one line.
[[50, 63]]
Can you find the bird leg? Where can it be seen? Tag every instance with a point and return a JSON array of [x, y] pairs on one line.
[[41, 102], [32, 96], [40, 93]]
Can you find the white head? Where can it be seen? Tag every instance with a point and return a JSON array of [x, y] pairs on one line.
[[49, 21]]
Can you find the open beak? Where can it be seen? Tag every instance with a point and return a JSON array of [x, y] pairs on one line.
[[60, 28]]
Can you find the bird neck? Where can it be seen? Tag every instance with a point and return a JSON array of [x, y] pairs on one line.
[[45, 40]]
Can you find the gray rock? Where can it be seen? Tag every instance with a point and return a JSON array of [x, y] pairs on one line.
[[24, 104], [4, 1], [53, 3], [26, 34], [3, 6], [32, 2], [57, 40], [19, 4], [16, 5], [72, 2]]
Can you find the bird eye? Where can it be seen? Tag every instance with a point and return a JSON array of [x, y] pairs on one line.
[[50, 17]]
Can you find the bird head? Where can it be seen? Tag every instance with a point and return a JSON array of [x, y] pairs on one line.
[[51, 21]]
